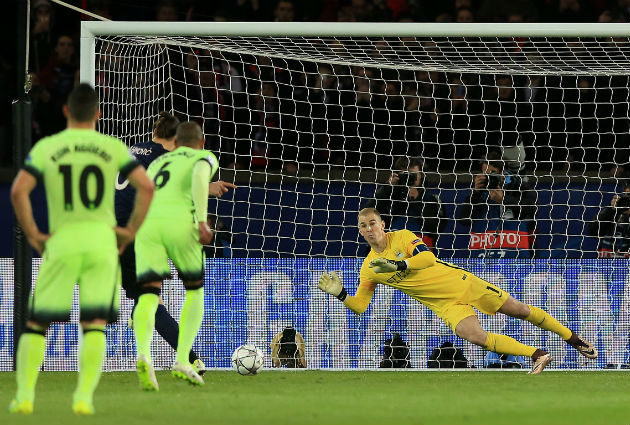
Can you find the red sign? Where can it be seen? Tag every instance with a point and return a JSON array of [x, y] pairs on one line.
[[500, 239]]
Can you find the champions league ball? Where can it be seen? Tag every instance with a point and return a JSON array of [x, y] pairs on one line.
[[247, 359]]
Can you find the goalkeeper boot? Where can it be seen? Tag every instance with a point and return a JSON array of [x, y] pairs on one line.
[[540, 362], [146, 374], [82, 407], [24, 407], [187, 373], [583, 347], [199, 367]]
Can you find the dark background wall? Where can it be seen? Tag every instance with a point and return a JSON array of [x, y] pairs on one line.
[[318, 219]]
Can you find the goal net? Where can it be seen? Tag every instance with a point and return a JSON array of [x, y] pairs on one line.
[[499, 151]]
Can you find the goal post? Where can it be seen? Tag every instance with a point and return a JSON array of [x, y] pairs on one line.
[[312, 119], [92, 29]]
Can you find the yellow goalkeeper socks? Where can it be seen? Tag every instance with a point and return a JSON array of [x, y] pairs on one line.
[[505, 345], [30, 356], [90, 363], [144, 322], [544, 320], [190, 321]]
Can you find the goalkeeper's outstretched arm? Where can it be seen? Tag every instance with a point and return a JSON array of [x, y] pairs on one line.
[[421, 260], [331, 284]]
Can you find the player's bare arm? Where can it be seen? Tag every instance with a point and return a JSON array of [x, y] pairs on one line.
[[22, 187], [219, 188]]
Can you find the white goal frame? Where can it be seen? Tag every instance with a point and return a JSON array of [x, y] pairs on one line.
[[92, 29], [160, 33]]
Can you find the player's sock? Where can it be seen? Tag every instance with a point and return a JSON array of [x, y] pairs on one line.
[[144, 322], [190, 321], [544, 320], [30, 355], [505, 345], [168, 329], [90, 363]]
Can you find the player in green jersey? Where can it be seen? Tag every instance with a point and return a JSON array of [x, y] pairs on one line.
[[175, 228], [78, 167]]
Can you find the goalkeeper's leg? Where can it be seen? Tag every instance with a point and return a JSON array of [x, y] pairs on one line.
[[470, 329], [544, 320]]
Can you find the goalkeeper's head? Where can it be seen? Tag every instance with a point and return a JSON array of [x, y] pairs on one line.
[[189, 134], [82, 105], [371, 226]]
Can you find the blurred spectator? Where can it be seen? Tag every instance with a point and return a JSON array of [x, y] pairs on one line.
[[237, 10], [612, 227], [500, 213], [284, 12], [614, 170], [406, 203], [215, 87], [623, 9], [266, 135], [42, 41], [463, 3], [500, 10], [464, 15], [613, 15], [363, 11], [221, 242], [245, 9], [100, 8], [444, 17], [55, 82], [166, 10], [567, 11]]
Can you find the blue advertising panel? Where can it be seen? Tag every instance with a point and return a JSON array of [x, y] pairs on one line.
[[249, 300]]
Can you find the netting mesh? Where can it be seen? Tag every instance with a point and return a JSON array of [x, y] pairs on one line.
[[312, 124], [313, 129]]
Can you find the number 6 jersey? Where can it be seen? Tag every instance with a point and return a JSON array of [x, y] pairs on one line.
[[172, 174]]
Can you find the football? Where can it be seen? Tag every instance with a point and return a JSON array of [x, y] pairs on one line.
[[247, 359]]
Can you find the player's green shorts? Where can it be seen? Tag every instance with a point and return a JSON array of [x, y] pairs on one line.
[[161, 239], [96, 271]]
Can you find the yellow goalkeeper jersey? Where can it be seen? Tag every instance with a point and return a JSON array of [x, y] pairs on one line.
[[437, 287]]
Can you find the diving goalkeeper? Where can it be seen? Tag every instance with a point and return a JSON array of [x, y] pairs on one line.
[[401, 260]]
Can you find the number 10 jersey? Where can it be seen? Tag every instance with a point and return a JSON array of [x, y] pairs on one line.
[[78, 168]]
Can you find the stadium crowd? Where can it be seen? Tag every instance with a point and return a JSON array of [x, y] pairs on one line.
[[394, 112], [287, 116]]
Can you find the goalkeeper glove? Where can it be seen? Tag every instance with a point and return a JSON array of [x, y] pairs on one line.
[[331, 284], [383, 265]]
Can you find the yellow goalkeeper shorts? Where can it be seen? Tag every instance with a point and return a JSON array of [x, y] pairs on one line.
[[482, 295]]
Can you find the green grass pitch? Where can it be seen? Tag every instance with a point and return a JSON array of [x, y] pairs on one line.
[[323, 397]]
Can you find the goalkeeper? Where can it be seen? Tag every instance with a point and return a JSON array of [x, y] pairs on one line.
[[145, 153], [401, 260]]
